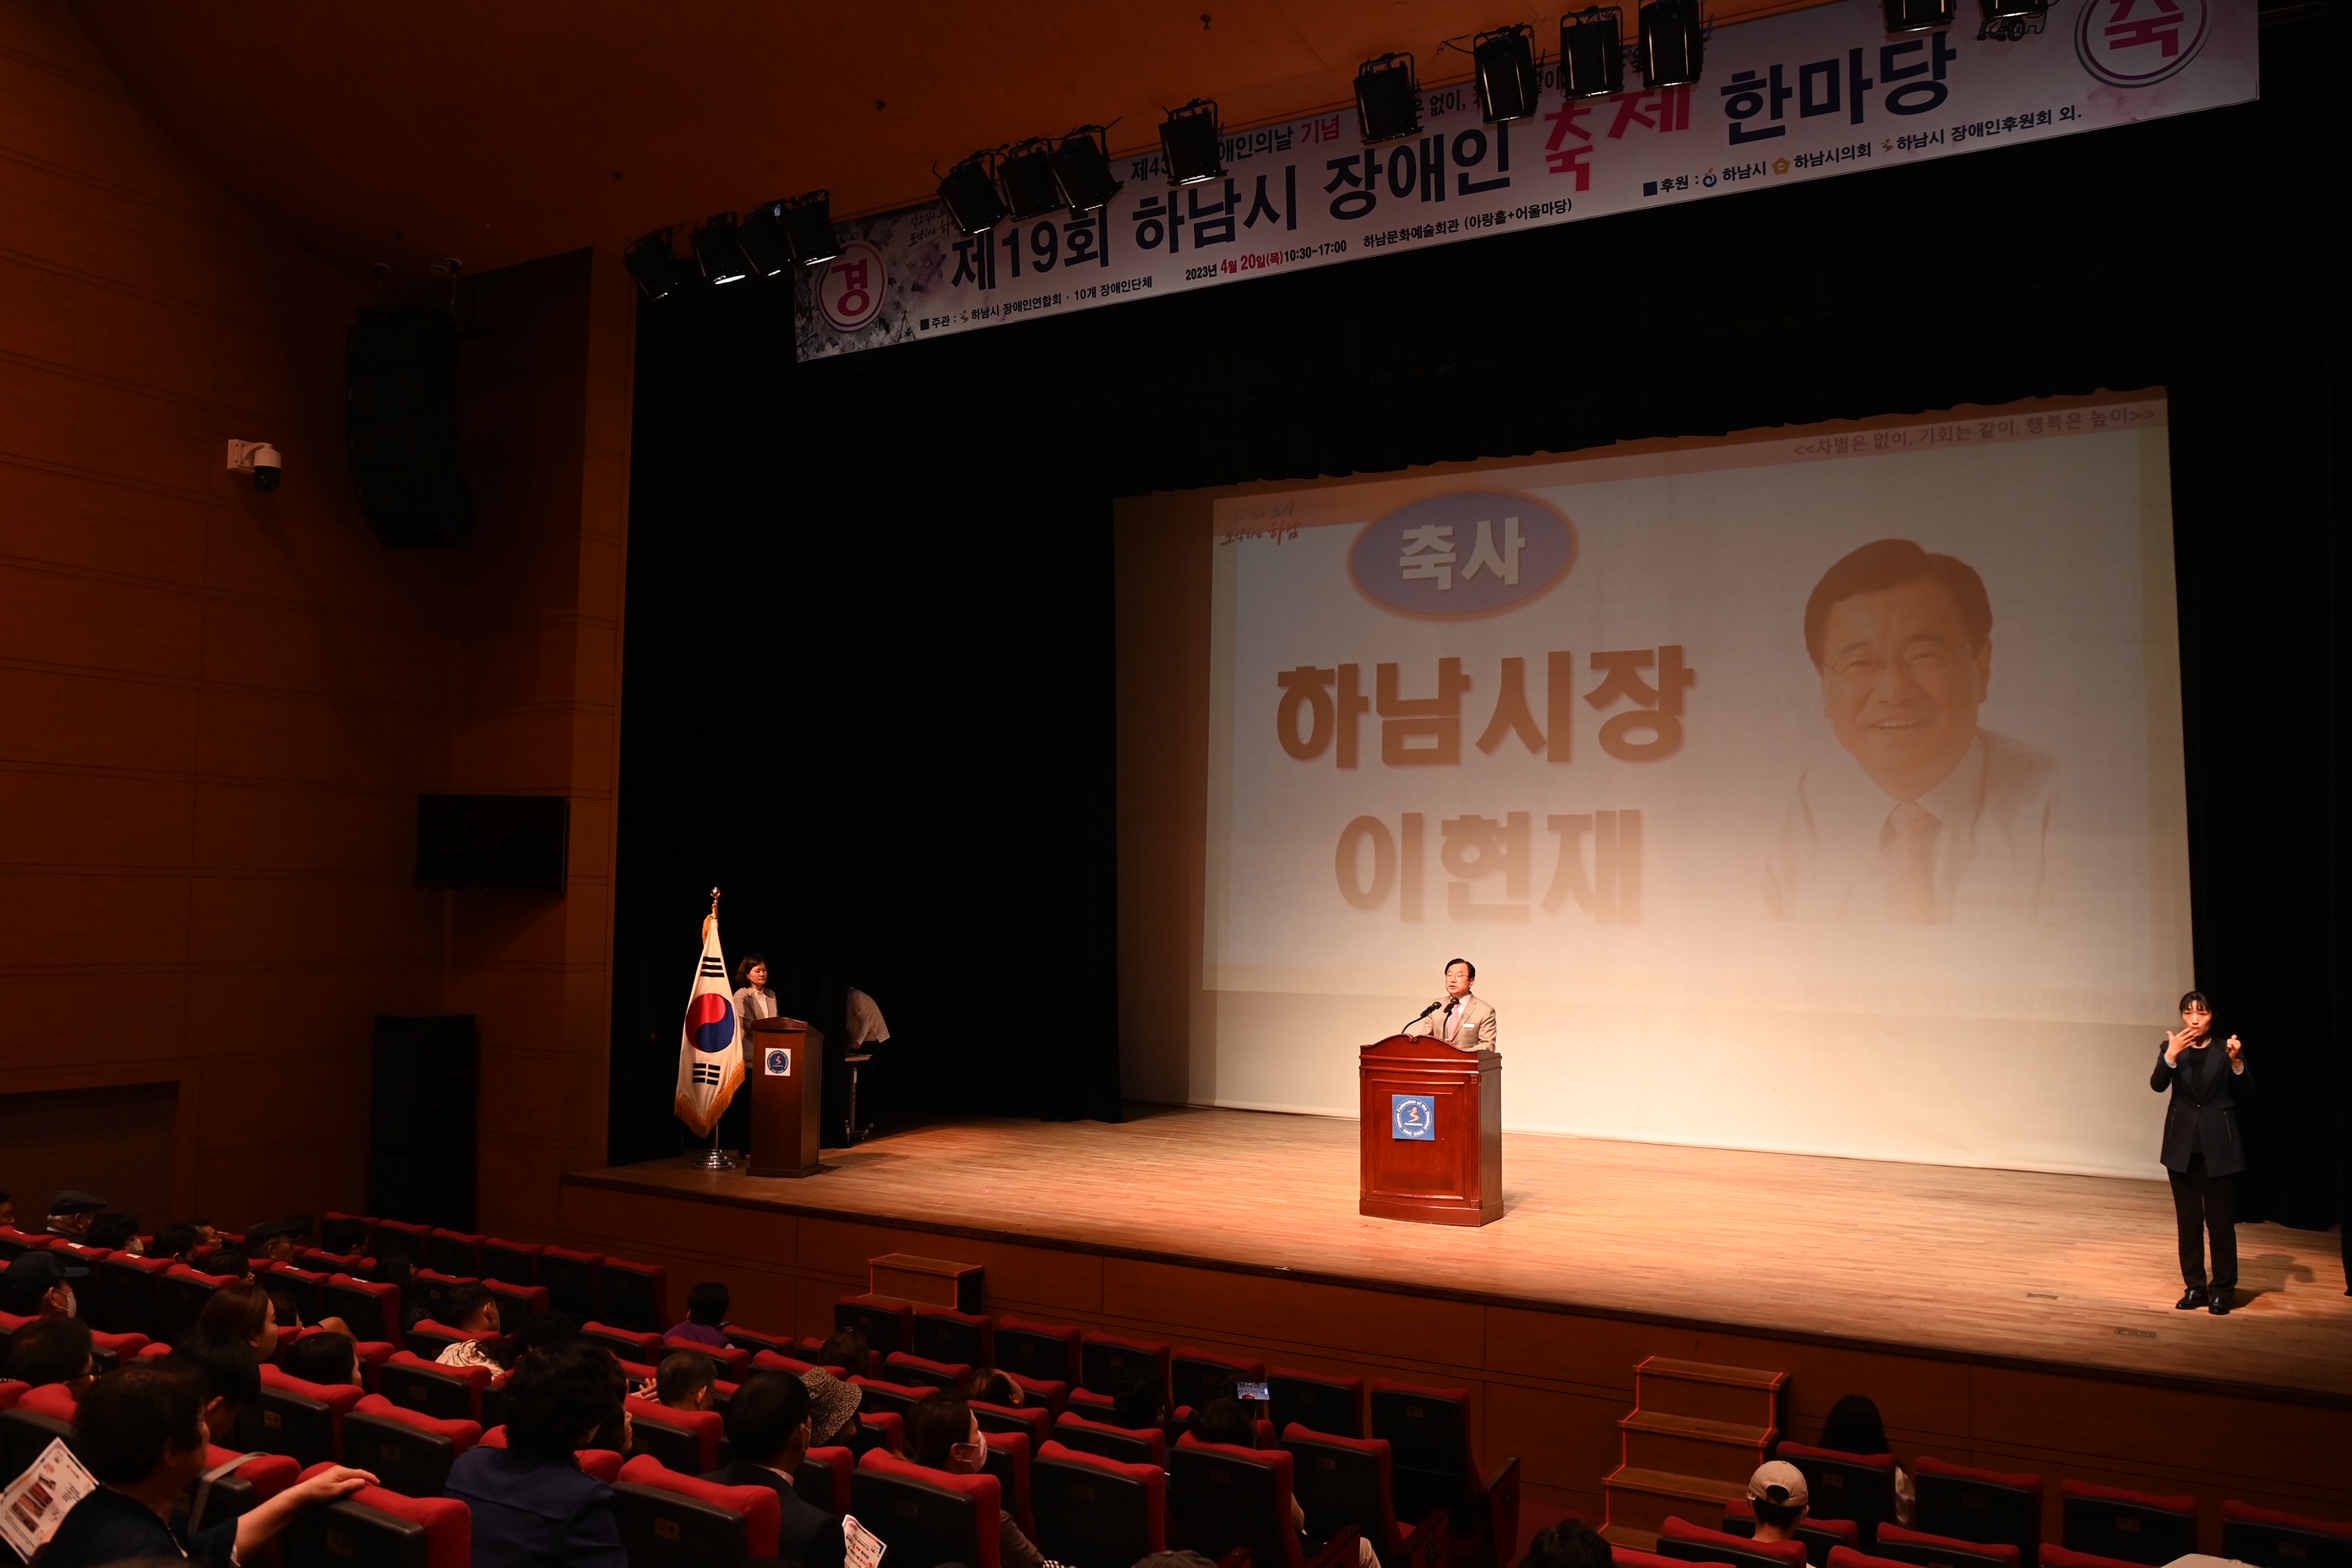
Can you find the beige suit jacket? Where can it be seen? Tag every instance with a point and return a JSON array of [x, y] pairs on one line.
[[1476, 1032]]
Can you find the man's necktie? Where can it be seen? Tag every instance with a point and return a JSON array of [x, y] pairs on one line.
[[1452, 1012], [1907, 846]]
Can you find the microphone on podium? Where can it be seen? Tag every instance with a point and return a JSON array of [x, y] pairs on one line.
[[1425, 1012]]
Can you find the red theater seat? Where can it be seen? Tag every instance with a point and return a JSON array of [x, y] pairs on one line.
[[1094, 1406], [371, 1307], [2268, 1539], [1347, 1483], [451, 1393], [1859, 1486], [1008, 1461], [1821, 1536], [944, 1334], [629, 1344], [428, 1338], [255, 1479], [11, 1392], [409, 1452], [454, 1252], [366, 1244], [54, 1400], [1106, 1362], [883, 1429], [122, 1347], [302, 1420], [409, 1238], [726, 1361], [756, 1340], [1091, 1510], [685, 1440], [2060, 1557], [375, 1526], [1048, 1352], [1222, 1499], [927, 1517], [886, 1323], [1996, 1506], [772, 1360], [922, 1372], [635, 1295], [573, 1280], [602, 1463], [1195, 1377], [674, 1521], [1032, 1421], [2132, 1527], [131, 1292], [518, 1304], [878, 1398], [1928, 1551], [181, 1292], [509, 1262], [1687, 1543], [1840, 1557], [823, 1478], [1434, 1467], [1147, 1446], [302, 1284]]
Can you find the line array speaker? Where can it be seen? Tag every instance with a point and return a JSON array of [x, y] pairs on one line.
[[401, 412]]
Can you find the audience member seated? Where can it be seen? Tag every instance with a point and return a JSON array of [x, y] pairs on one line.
[[229, 1263], [473, 1310], [1854, 1428], [178, 1242], [848, 1351], [271, 1242], [531, 1503], [116, 1233], [706, 1310], [299, 1228], [140, 1432], [1140, 1405], [768, 1426], [1778, 1491], [990, 1386], [394, 1267], [344, 1237], [1571, 1543], [944, 1435], [329, 1358], [71, 1212], [832, 1409], [231, 1376], [40, 1284], [53, 1350], [243, 1311], [684, 1381], [1226, 1420], [7, 1212]]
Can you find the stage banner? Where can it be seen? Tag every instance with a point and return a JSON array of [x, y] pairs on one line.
[[1797, 97], [1814, 791]]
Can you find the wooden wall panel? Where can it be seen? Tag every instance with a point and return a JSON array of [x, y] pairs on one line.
[[217, 707]]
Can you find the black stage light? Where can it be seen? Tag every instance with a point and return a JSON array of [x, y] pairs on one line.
[[2010, 21], [1919, 15], [1189, 140], [656, 266], [1505, 63], [1672, 43], [718, 247], [1082, 168], [1026, 172], [764, 240], [970, 195], [1388, 99], [808, 226], [1592, 52]]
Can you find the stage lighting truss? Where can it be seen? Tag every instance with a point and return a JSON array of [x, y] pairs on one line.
[[1388, 99], [808, 228], [1081, 164], [1026, 173], [1190, 144], [764, 237], [1507, 78], [1592, 52], [1919, 15], [969, 192], [1673, 44], [718, 250], [656, 266], [2007, 21]]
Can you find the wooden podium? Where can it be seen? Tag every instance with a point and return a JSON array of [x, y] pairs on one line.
[[784, 1063], [1432, 1132]]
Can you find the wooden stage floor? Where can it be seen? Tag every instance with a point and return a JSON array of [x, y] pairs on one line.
[[1999, 1267]]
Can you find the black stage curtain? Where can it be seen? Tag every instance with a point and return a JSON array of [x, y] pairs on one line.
[[869, 678]]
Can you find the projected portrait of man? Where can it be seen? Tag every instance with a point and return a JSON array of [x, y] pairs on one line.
[[1927, 819]]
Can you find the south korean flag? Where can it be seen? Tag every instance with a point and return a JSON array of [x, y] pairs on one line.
[[709, 1054]]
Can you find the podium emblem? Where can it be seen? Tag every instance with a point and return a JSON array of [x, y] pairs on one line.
[[780, 1061], [1413, 1118]]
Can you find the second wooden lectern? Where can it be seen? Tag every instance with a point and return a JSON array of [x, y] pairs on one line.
[[1432, 1132], [784, 1062]]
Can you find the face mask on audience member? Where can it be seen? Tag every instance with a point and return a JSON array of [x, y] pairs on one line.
[[970, 1457]]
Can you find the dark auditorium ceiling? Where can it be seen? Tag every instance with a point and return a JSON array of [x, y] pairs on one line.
[[504, 131]]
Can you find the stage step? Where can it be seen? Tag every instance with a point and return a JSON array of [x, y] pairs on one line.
[[1694, 1436]]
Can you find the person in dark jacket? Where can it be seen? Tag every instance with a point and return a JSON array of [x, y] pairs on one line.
[[533, 1506], [767, 1428], [2201, 1151]]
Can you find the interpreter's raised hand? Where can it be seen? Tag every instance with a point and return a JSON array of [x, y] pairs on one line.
[[2176, 1042], [2236, 1046], [335, 1482]]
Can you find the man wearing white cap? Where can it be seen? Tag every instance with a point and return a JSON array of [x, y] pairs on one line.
[[1778, 1491]]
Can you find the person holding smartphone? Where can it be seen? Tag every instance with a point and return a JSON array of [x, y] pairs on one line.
[[2201, 1151]]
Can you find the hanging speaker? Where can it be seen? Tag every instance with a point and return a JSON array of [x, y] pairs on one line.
[[401, 426]]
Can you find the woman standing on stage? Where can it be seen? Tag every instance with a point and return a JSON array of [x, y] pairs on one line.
[[752, 997], [2201, 1151]]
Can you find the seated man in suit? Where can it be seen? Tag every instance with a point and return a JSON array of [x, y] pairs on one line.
[[768, 1425], [1458, 1018]]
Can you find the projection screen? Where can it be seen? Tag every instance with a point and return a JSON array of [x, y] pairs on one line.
[[1815, 791]]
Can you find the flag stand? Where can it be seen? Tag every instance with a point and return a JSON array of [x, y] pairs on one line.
[[715, 1158]]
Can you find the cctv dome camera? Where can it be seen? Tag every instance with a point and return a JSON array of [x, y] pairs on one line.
[[268, 468]]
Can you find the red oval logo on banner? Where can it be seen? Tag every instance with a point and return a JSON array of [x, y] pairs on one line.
[[849, 292], [1473, 552], [2138, 43]]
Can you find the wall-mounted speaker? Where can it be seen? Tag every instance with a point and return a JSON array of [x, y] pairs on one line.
[[401, 414], [517, 841]]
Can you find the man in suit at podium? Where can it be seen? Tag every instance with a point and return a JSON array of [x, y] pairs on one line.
[[1458, 1018]]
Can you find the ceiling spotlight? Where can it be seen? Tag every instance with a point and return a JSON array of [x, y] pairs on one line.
[[970, 195], [1919, 15], [808, 227], [764, 240], [1505, 60], [1026, 172], [1082, 168], [1592, 52], [1189, 140], [2010, 21], [1388, 99], [656, 266], [718, 247], [1672, 42]]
